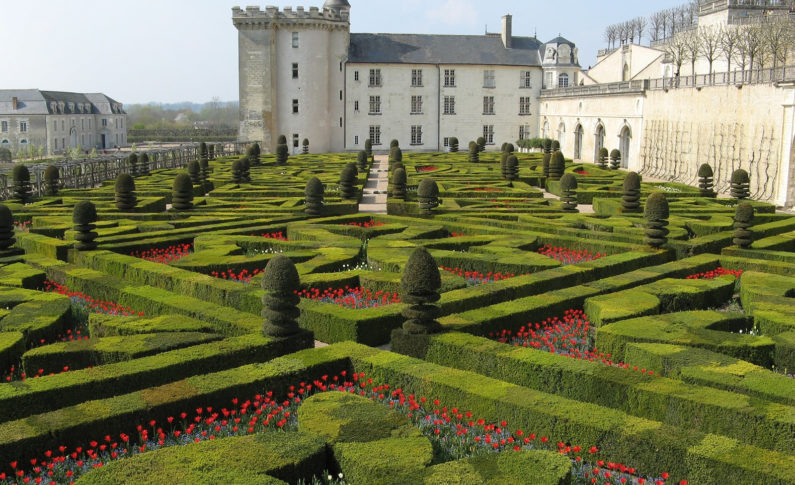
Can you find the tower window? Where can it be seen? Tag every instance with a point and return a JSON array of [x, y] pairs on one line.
[[488, 134], [295, 70], [416, 105], [356, 106], [295, 140], [563, 80], [524, 79], [416, 77], [375, 134], [489, 80], [524, 105], [355, 75], [449, 78], [375, 105], [488, 105], [295, 39], [375, 77], [449, 105], [295, 106], [416, 135]]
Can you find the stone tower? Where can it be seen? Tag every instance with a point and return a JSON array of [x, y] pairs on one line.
[[292, 74]]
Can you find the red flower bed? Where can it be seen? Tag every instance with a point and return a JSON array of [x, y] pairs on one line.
[[426, 168], [23, 226], [476, 277], [719, 271], [486, 189], [370, 223], [279, 236], [348, 297], [92, 305], [582, 172], [244, 276], [165, 256], [458, 234], [568, 256]]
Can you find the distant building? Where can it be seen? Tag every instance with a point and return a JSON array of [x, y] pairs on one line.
[[304, 75], [60, 120]]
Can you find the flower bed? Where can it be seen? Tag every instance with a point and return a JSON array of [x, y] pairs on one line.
[[426, 168], [279, 236], [456, 434], [165, 256], [370, 223], [87, 304], [568, 256], [244, 276], [476, 277], [711, 275], [352, 298]]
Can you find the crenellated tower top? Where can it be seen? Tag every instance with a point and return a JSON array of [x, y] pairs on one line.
[[255, 16]]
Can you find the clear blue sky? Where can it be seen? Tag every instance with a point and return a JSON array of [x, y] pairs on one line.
[[186, 50]]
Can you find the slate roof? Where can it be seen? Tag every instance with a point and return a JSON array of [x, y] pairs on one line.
[[37, 102], [442, 49]]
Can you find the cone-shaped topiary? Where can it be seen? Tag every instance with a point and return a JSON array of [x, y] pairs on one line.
[[313, 193], [361, 160], [253, 155], [602, 159], [399, 183], [204, 164], [706, 180], [656, 215], [503, 164], [51, 180], [555, 146], [419, 287], [740, 184], [182, 193], [195, 172], [133, 161], [556, 165], [245, 168], [280, 302], [368, 147], [305, 146], [545, 164], [547, 145], [568, 185], [22, 188], [481, 144], [511, 169], [282, 154], [630, 199], [474, 152], [6, 228], [348, 181], [204, 158], [237, 172], [393, 143], [84, 216], [743, 220], [509, 148], [125, 192], [428, 195], [211, 151], [282, 140], [143, 164], [395, 154], [453, 144], [615, 159]]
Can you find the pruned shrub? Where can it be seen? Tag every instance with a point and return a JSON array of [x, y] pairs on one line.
[[512, 169], [282, 153], [602, 159], [453, 144], [630, 198], [399, 183], [143, 164], [313, 193], [281, 283], [555, 146], [125, 192], [428, 195], [547, 145], [5, 155], [368, 147], [615, 159], [481, 144], [237, 172], [740, 184], [348, 179], [6, 228], [393, 143], [706, 180], [556, 165], [743, 220], [51, 180], [503, 164], [84, 215], [568, 186], [474, 152], [545, 164], [361, 160], [182, 193], [253, 154], [419, 288], [195, 172], [22, 189], [509, 148], [133, 162], [245, 168], [656, 215], [395, 155], [305, 146]]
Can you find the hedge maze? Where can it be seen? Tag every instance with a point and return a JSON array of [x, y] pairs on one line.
[[550, 329]]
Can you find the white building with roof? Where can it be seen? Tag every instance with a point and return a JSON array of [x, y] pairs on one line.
[[60, 120], [304, 75]]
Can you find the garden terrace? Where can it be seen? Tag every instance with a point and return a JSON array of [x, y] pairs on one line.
[[616, 358]]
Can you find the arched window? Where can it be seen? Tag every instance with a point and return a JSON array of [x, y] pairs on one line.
[[578, 142], [563, 80], [546, 129], [562, 135], [623, 144], [599, 140]]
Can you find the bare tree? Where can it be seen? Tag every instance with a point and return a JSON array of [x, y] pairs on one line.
[[777, 40], [676, 50], [670, 19], [657, 26], [709, 45], [609, 36], [692, 48], [750, 45], [728, 44], [630, 26], [640, 27]]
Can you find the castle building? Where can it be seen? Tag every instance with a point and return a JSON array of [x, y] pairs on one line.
[[304, 75], [59, 121]]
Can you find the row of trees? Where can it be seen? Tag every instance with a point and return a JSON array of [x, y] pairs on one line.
[[659, 25]]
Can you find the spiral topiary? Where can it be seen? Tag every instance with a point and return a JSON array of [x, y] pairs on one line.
[[133, 161], [6, 228], [706, 180], [280, 302], [305, 146], [568, 185], [545, 161], [368, 147], [555, 146], [743, 220], [474, 152], [125, 192], [51, 180], [512, 169], [428, 195], [348, 179], [548, 145], [630, 199], [143, 164], [282, 153], [453, 144], [481, 141], [313, 193], [22, 189], [556, 165], [615, 159], [84, 216], [399, 183], [182, 193], [282, 140], [740, 184], [602, 159], [237, 172], [395, 155], [656, 215], [195, 172], [419, 287], [361, 160]]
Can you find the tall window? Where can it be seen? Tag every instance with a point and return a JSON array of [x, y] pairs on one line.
[[295, 39], [295, 140], [355, 75], [524, 132], [23, 126], [416, 105], [449, 78], [375, 134], [449, 105], [416, 77], [416, 135], [563, 80], [295, 106], [488, 134], [488, 79], [375, 77], [4, 126], [82, 123], [488, 105], [548, 80], [524, 105], [104, 122], [524, 79], [446, 141], [295, 70], [375, 105], [356, 106]]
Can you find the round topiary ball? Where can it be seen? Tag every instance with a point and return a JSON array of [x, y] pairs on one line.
[[395, 154], [280, 303], [453, 144], [182, 193], [555, 145], [615, 159], [509, 147], [740, 184], [419, 287], [125, 192], [428, 195], [21, 178], [84, 215], [393, 143], [282, 140], [6, 228], [474, 152], [602, 159], [568, 185], [481, 142], [84, 212], [706, 180], [630, 200]]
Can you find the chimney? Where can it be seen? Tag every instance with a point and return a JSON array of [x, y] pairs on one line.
[[14, 103], [507, 40]]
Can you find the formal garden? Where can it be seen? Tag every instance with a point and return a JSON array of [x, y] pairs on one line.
[[513, 318]]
